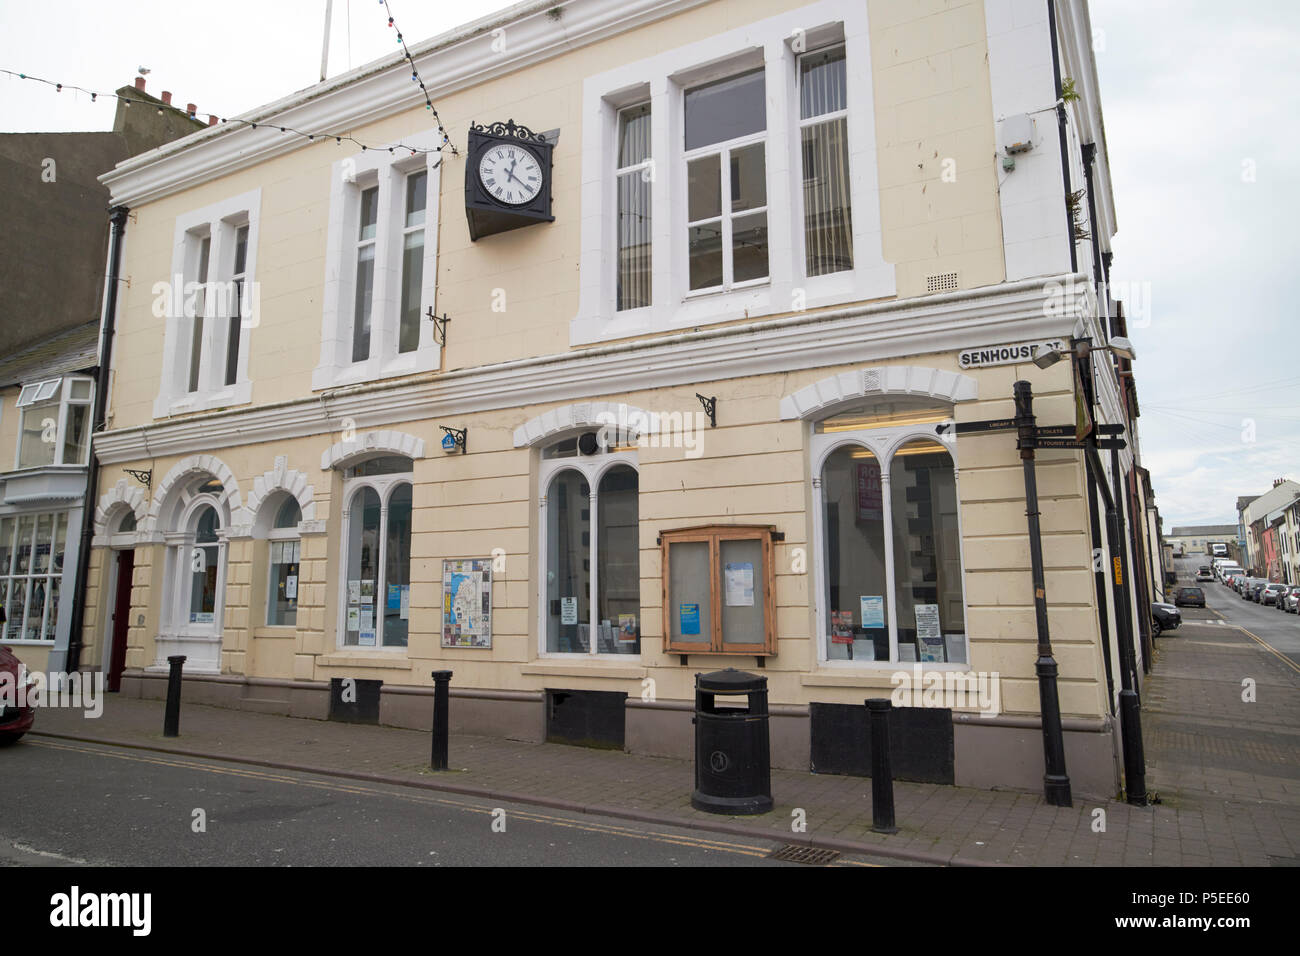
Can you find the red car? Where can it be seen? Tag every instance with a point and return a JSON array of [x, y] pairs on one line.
[[14, 720]]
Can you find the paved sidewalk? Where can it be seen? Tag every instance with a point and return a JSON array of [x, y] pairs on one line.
[[1228, 774]]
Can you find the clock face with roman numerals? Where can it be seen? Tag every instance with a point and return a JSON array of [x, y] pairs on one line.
[[510, 174]]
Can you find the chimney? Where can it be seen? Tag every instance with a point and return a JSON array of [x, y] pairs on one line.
[[212, 121], [167, 98], [191, 108], [139, 83]]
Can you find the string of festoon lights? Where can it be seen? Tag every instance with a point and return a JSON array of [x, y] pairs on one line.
[[310, 136]]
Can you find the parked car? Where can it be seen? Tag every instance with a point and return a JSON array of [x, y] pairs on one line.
[[1165, 617], [14, 720], [1229, 571], [1257, 589], [1291, 603], [1279, 602], [1189, 597]]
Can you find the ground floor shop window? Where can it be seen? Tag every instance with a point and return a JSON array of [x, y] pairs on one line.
[[591, 582], [377, 556], [890, 566], [31, 569], [285, 548]]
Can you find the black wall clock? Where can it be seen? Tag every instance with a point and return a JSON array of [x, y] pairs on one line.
[[507, 178]]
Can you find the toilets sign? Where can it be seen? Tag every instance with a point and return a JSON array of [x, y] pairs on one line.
[[1012, 354]]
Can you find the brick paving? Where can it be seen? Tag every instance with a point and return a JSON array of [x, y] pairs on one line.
[[1227, 774]]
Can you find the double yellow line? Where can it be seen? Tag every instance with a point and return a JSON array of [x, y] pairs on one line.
[[609, 829]]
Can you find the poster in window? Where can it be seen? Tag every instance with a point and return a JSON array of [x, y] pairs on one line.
[[354, 619], [291, 587], [568, 610], [367, 592], [467, 603], [367, 639], [873, 610], [928, 635], [739, 579], [627, 628], [690, 619], [841, 627], [870, 501]]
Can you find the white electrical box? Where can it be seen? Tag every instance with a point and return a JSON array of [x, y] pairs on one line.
[[1018, 134]]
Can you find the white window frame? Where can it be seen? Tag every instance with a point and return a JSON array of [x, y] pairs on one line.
[[645, 169], [41, 391], [384, 486], [723, 151], [219, 222], [349, 176], [776, 43], [883, 443], [180, 550], [593, 469], [818, 120], [274, 536], [30, 578]]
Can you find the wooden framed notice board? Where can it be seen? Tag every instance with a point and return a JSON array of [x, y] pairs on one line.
[[719, 590]]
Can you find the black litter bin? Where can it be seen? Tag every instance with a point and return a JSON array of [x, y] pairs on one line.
[[733, 767]]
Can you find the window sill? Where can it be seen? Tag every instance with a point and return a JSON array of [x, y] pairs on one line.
[[374, 369], [378, 658], [29, 642], [281, 631], [868, 673], [167, 406], [560, 667]]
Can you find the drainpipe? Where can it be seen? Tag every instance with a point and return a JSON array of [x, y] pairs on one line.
[[1060, 122], [117, 218]]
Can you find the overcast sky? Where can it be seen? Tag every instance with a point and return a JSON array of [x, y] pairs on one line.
[[1199, 106]]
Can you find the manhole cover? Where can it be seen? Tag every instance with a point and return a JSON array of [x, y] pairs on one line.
[[811, 856]]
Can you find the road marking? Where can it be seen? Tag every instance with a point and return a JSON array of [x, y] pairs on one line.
[[24, 848], [528, 815], [1272, 650]]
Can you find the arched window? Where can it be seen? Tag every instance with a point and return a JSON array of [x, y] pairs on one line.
[[375, 599], [889, 554], [285, 555], [591, 582]]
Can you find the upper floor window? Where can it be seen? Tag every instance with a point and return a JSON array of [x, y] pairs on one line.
[[726, 144], [635, 173], [719, 178], [823, 130], [54, 422], [380, 267], [210, 307]]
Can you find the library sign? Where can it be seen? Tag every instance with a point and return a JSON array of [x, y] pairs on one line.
[[1006, 354]]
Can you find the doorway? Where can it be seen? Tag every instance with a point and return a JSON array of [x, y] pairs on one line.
[[121, 618]]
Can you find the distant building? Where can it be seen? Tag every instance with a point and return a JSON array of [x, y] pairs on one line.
[[52, 268], [1192, 539]]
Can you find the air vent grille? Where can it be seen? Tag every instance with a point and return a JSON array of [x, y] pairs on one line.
[[941, 282]]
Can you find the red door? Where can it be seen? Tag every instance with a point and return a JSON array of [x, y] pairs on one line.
[[121, 618]]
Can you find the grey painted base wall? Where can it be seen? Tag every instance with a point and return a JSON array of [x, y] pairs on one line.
[[988, 754]]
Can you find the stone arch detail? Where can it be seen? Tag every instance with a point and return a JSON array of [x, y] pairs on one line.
[[583, 415], [121, 496], [951, 387], [394, 442], [282, 478], [199, 464]]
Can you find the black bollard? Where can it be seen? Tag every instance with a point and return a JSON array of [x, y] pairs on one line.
[[172, 718], [882, 775], [441, 691]]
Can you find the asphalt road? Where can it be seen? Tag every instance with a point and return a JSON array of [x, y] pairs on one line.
[[1275, 628], [74, 804]]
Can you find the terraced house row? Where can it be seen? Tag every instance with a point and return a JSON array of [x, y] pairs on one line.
[[662, 369]]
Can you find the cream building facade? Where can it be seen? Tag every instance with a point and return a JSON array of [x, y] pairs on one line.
[[882, 272]]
